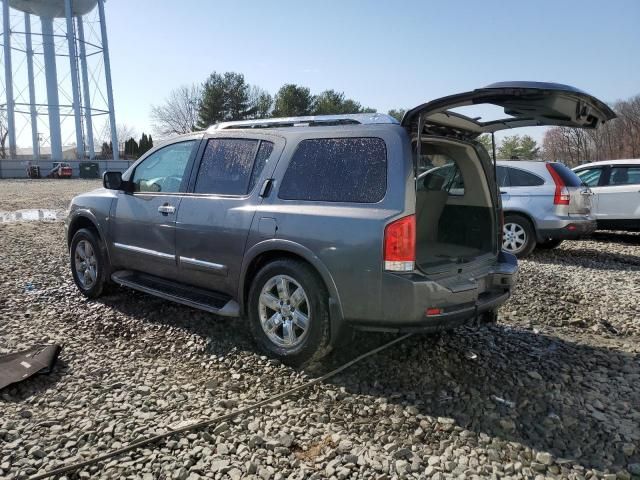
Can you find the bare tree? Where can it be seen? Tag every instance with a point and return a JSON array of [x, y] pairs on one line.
[[125, 132], [179, 113]]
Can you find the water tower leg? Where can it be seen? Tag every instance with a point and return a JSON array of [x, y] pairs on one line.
[[8, 79], [85, 89], [73, 68], [51, 77], [107, 74], [35, 142]]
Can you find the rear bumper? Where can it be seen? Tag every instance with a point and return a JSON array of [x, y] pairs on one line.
[[459, 299], [568, 229]]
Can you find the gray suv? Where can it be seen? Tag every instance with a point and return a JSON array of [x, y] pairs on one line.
[[544, 203], [306, 226]]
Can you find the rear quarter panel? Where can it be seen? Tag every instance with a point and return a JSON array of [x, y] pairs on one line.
[[346, 238]]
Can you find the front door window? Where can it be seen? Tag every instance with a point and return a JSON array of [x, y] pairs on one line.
[[163, 170]]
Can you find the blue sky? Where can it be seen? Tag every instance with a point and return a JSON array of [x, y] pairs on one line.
[[384, 54]]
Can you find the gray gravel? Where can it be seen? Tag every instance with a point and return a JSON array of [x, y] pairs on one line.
[[552, 391]]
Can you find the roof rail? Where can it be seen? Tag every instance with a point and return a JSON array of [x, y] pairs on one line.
[[308, 121]]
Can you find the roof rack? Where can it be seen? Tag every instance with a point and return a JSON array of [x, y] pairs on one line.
[[308, 121]]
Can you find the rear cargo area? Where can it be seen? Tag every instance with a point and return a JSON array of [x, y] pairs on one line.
[[455, 222]]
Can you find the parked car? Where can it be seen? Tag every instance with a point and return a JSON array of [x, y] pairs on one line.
[[309, 225], [616, 188], [544, 203]]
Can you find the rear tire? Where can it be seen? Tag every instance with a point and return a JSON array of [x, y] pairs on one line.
[[289, 312], [518, 236], [89, 264], [549, 244]]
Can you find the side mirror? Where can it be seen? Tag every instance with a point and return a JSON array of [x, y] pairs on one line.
[[113, 181]]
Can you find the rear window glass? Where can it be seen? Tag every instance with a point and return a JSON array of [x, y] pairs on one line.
[[350, 169], [568, 176], [520, 178]]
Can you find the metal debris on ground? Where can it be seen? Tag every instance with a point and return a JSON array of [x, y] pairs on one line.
[[16, 367]]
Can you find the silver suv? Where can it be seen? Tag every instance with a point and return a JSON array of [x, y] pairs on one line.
[[309, 225], [544, 203]]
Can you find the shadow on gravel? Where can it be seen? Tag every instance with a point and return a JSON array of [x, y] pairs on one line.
[[36, 385], [578, 402], [631, 238], [222, 334], [587, 257]]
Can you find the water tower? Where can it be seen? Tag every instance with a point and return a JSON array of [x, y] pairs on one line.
[[56, 75]]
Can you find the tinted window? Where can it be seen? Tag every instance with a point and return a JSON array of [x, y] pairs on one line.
[[337, 170], [625, 176], [227, 166], [503, 176], [590, 176], [447, 178], [520, 178], [264, 152], [568, 176], [162, 171]]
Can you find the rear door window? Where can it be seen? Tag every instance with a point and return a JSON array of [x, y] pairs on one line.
[[624, 176], [590, 176], [447, 178], [352, 169], [231, 166], [503, 176], [520, 178]]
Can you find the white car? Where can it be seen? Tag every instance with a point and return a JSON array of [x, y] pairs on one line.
[[616, 188]]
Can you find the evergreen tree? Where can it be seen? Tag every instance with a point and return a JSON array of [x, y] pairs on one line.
[[225, 97], [131, 148], [292, 101], [145, 144], [397, 113]]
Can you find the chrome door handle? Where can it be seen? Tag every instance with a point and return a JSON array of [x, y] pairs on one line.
[[166, 209]]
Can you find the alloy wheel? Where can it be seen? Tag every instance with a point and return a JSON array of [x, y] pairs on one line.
[[284, 311], [514, 238], [86, 264]]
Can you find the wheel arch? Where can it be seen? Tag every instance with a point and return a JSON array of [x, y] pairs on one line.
[[524, 214], [83, 219], [269, 250], [86, 219]]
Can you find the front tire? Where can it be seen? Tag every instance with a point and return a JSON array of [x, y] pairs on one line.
[[288, 312], [89, 265], [518, 235]]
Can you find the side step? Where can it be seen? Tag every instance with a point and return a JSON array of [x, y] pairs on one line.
[[199, 298]]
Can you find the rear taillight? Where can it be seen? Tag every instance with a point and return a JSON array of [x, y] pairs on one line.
[[400, 245], [561, 196]]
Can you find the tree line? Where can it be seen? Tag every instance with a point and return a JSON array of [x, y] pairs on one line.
[[227, 96]]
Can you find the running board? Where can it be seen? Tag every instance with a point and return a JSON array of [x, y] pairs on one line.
[[206, 300]]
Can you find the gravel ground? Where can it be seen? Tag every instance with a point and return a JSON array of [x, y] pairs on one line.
[[551, 391], [45, 193]]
